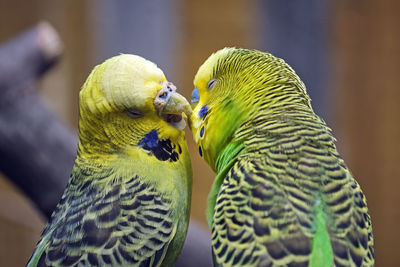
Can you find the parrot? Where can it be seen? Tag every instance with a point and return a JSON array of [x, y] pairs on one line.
[[127, 201], [282, 195]]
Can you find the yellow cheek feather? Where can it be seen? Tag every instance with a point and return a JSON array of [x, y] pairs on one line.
[[216, 115], [201, 124], [202, 129]]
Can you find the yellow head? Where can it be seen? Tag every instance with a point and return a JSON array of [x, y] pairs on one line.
[[232, 87], [127, 102]]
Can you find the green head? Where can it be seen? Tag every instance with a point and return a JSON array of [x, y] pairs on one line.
[[231, 88]]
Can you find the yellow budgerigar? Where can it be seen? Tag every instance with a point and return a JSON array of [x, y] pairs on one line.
[[127, 201], [283, 196]]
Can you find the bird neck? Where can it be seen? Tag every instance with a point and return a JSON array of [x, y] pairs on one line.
[[225, 160], [228, 154], [102, 164]]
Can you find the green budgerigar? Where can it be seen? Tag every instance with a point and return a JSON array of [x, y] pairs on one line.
[[282, 196], [127, 202]]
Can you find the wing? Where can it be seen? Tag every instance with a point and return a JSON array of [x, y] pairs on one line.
[[267, 206], [351, 230], [254, 222], [125, 223]]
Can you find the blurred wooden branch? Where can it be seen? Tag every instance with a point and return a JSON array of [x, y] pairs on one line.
[[37, 151]]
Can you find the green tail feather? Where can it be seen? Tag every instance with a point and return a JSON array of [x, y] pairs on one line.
[[321, 253]]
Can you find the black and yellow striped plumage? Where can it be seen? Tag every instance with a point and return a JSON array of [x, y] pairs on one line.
[[127, 202], [283, 196], [126, 223]]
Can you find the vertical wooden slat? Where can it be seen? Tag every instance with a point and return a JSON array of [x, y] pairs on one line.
[[209, 26], [297, 31], [20, 226], [16, 238], [75, 33], [367, 52], [13, 18], [146, 28]]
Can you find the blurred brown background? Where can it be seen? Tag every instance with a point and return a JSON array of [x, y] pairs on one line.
[[347, 52]]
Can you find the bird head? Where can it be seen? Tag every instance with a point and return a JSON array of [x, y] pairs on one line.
[[231, 88], [125, 99]]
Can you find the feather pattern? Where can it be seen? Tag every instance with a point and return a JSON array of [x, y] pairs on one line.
[[128, 223], [284, 197], [127, 202]]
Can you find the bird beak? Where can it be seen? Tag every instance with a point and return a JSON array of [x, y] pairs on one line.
[[177, 104], [170, 105]]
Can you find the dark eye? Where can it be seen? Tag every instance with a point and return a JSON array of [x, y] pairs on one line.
[[133, 113], [211, 83]]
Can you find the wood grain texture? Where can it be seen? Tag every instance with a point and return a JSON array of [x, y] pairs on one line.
[[366, 46]]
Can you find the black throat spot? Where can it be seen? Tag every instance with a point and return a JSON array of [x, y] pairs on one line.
[[162, 149]]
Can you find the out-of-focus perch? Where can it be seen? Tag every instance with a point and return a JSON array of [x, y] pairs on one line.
[[37, 151], [25, 57], [197, 249]]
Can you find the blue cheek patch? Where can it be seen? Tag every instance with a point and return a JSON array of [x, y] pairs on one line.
[[203, 111], [149, 140], [195, 96], [162, 149]]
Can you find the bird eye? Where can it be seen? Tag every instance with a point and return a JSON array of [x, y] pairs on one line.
[[211, 83], [133, 113]]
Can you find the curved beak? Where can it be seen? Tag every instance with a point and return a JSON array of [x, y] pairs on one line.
[[170, 105], [176, 104]]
